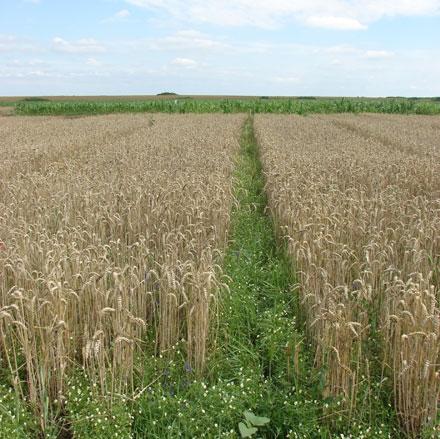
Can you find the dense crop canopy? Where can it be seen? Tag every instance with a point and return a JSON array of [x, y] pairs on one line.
[[111, 229], [358, 200]]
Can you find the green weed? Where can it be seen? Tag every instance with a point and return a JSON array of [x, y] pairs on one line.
[[16, 420], [93, 416]]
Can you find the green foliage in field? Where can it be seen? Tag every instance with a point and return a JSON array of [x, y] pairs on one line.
[[91, 416], [35, 99], [179, 405], [16, 420], [270, 105]]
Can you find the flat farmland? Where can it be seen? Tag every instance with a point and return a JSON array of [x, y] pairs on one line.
[[219, 275]]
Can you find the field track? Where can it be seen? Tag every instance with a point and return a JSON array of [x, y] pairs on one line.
[[412, 134]]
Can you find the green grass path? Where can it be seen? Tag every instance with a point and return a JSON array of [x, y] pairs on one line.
[[258, 318], [261, 337]]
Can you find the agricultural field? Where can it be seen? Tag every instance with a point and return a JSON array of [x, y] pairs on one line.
[[112, 232], [220, 104], [220, 275], [357, 200]]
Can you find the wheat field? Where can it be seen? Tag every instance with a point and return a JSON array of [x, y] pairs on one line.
[[357, 198], [112, 231], [155, 256]]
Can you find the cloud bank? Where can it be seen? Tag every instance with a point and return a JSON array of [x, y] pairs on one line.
[[346, 15]]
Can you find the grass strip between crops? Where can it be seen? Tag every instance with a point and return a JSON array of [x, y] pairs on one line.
[[264, 332], [260, 333]]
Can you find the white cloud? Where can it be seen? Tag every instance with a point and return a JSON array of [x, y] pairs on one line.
[[342, 49], [184, 62], [30, 74], [85, 45], [287, 79], [355, 53], [336, 23], [328, 14], [124, 13], [310, 74], [10, 43], [378, 54], [93, 62], [183, 40], [24, 63], [153, 3], [121, 15], [376, 9], [188, 39]]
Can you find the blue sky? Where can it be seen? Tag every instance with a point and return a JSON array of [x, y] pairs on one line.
[[246, 47]]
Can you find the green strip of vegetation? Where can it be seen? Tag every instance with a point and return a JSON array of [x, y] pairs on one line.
[[261, 335], [261, 105], [267, 337]]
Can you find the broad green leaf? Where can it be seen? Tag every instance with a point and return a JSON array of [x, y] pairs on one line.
[[256, 420], [246, 431]]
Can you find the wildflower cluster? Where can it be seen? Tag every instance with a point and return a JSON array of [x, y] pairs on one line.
[[16, 421], [92, 416], [179, 405]]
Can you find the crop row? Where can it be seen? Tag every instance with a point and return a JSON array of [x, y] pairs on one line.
[[111, 229], [357, 200], [288, 106]]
